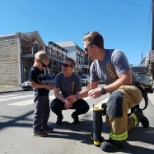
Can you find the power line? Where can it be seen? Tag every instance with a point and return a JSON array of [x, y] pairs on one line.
[[136, 4], [30, 15], [43, 11], [147, 28], [122, 19]]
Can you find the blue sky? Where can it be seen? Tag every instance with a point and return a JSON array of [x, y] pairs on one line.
[[124, 24]]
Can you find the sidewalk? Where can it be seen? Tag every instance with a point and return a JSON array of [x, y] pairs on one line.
[[8, 89]]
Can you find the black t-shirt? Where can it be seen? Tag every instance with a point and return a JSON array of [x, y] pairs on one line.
[[40, 77]]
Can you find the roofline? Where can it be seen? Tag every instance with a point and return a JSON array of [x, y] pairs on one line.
[[8, 35], [57, 45]]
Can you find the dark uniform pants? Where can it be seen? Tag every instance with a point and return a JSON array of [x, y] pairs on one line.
[[41, 112], [80, 105]]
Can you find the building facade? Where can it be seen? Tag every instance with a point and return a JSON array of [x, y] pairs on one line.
[[149, 61], [76, 53], [152, 62], [17, 56], [56, 54]]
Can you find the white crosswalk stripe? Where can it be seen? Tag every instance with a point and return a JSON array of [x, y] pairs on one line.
[[17, 97], [22, 100], [7, 98], [100, 103], [27, 102], [22, 103]]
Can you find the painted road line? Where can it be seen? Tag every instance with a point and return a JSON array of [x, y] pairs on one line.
[[15, 97], [86, 98], [22, 103], [31, 101], [151, 98], [11, 95], [100, 104], [4, 96], [27, 102]]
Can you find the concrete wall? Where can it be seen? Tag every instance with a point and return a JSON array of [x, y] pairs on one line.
[[9, 66]]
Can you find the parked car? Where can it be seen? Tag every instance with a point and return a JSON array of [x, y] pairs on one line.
[[88, 78], [101, 82], [84, 80], [26, 86], [143, 74]]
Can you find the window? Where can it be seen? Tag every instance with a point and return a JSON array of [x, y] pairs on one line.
[[35, 48], [140, 70]]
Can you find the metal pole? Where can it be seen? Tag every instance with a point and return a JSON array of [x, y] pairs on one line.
[[152, 25], [152, 43]]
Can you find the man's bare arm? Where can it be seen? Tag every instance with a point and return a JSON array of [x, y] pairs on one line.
[[83, 93], [124, 79], [58, 95]]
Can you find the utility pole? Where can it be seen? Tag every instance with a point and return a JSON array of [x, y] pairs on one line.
[[152, 25], [152, 46]]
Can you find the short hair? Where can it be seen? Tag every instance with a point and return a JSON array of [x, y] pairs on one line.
[[72, 62], [41, 55], [94, 38]]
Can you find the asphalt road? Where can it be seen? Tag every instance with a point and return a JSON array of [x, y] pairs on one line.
[[16, 113]]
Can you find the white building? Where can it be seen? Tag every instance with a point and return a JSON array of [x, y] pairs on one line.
[[147, 59], [76, 53]]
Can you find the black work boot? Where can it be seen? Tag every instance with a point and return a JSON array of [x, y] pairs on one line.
[[141, 118], [59, 119], [75, 118], [112, 146], [47, 129], [40, 133]]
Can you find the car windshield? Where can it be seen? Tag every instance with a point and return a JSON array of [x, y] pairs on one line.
[[88, 76], [83, 77], [141, 70]]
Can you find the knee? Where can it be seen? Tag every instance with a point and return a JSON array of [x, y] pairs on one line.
[[115, 104], [53, 105], [85, 106]]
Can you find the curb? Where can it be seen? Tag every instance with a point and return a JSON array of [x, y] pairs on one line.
[[10, 91]]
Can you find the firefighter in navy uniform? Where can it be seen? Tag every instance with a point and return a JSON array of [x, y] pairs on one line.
[[112, 67]]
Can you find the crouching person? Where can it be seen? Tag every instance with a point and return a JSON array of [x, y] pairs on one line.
[[112, 67], [68, 83]]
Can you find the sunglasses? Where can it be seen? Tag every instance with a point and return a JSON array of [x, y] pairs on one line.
[[42, 64], [86, 49], [65, 65]]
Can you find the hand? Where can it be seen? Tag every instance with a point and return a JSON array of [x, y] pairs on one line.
[[48, 87], [67, 105], [95, 93], [71, 98]]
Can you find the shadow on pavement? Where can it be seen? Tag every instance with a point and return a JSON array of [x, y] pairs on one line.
[[141, 134], [20, 121], [137, 142]]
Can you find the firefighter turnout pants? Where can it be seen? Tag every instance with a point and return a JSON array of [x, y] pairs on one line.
[[120, 101]]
